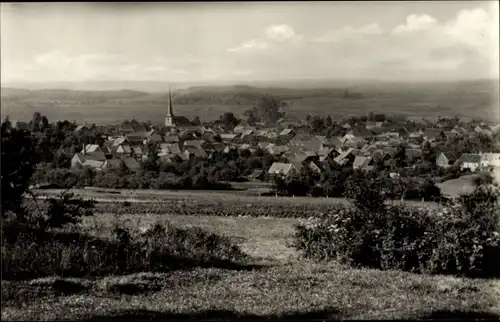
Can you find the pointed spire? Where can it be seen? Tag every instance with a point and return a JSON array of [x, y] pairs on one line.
[[169, 109]]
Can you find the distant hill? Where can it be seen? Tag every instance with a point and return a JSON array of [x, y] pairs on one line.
[[472, 98]]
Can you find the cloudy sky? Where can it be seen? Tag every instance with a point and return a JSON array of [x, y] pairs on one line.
[[249, 41]]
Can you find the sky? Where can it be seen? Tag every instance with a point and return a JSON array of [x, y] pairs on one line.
[[186, 42]]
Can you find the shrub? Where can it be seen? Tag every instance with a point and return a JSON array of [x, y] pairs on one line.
[[462, 239], [76, 254]]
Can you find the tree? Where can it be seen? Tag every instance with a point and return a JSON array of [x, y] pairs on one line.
[[7, 124], [228, 120], [35, 123], [266, 109], [122, 169], [328, 121], [17, 167], [429, 154], [196, 121], [400, 157]]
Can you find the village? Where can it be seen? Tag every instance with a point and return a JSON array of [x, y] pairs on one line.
[[362, 144]]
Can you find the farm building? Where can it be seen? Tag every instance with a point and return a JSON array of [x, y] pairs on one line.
[[283, 169], [469, 161], [445, 159]]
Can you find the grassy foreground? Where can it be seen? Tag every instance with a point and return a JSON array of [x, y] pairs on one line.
[[282, 287]]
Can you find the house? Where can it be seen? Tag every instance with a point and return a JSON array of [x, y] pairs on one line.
[[131, 164], [433, 134], [326, 154], [94, 160], [287, 134], [120, 140], [245, 146], [415, 119], [289, 122], [469, 161], [163, 149], [490, 160], [265, 145], [277, 149], [345, 158], [127, 128], [299, 139], [481, 130], [241, 127], [306, 156], [197, 153], [256, 174], [137, 137], [90, 148], [313, 167], [111, 164], [445, 159], [283, 169], [412, 153], [354, 142], [363, 163], [334, 143], [123, 149], [228, 136], [137, 152], [153, 137], [173, 148], [193, 144], [81, 128], [247, 134]]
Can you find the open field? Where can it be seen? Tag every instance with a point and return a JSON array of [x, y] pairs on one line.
[[285, 287], [475, 98], [210, 203]]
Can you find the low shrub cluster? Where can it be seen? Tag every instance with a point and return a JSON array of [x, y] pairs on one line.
[[334, 183], [64, 253], [67, 178], [462, 238]]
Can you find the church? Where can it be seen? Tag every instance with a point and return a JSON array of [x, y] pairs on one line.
[[174, 121]]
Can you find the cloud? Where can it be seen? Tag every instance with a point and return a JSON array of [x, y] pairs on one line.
[[254, 44], [272, 35], [280, 32], [350, 33], [416, 22]]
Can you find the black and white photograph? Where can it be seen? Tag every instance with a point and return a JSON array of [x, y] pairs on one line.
[[250, 161]]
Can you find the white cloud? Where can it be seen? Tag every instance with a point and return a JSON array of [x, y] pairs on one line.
[[280, 32], [273, 34], [416, 22], [250, 45], [350, 33]]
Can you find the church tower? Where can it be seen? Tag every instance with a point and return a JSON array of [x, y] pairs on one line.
[[169, 119]]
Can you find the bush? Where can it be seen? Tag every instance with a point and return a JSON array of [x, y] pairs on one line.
[[75, 254], [462, 239]]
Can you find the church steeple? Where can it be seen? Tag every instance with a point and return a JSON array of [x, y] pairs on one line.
[[169, 119]]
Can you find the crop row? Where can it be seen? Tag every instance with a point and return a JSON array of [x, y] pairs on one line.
[[190, 208]]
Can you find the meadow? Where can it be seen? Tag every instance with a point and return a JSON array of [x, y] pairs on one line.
[[280, 285]]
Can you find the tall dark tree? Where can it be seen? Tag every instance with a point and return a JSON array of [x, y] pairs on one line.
[[36, 122], [18, 162], [266, 109], [400, 157], [196, 121], [228, 120]]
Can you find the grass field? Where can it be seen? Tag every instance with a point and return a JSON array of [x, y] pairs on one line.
[[282, 287]]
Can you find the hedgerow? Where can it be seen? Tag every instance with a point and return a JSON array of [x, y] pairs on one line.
[[462, 238]]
